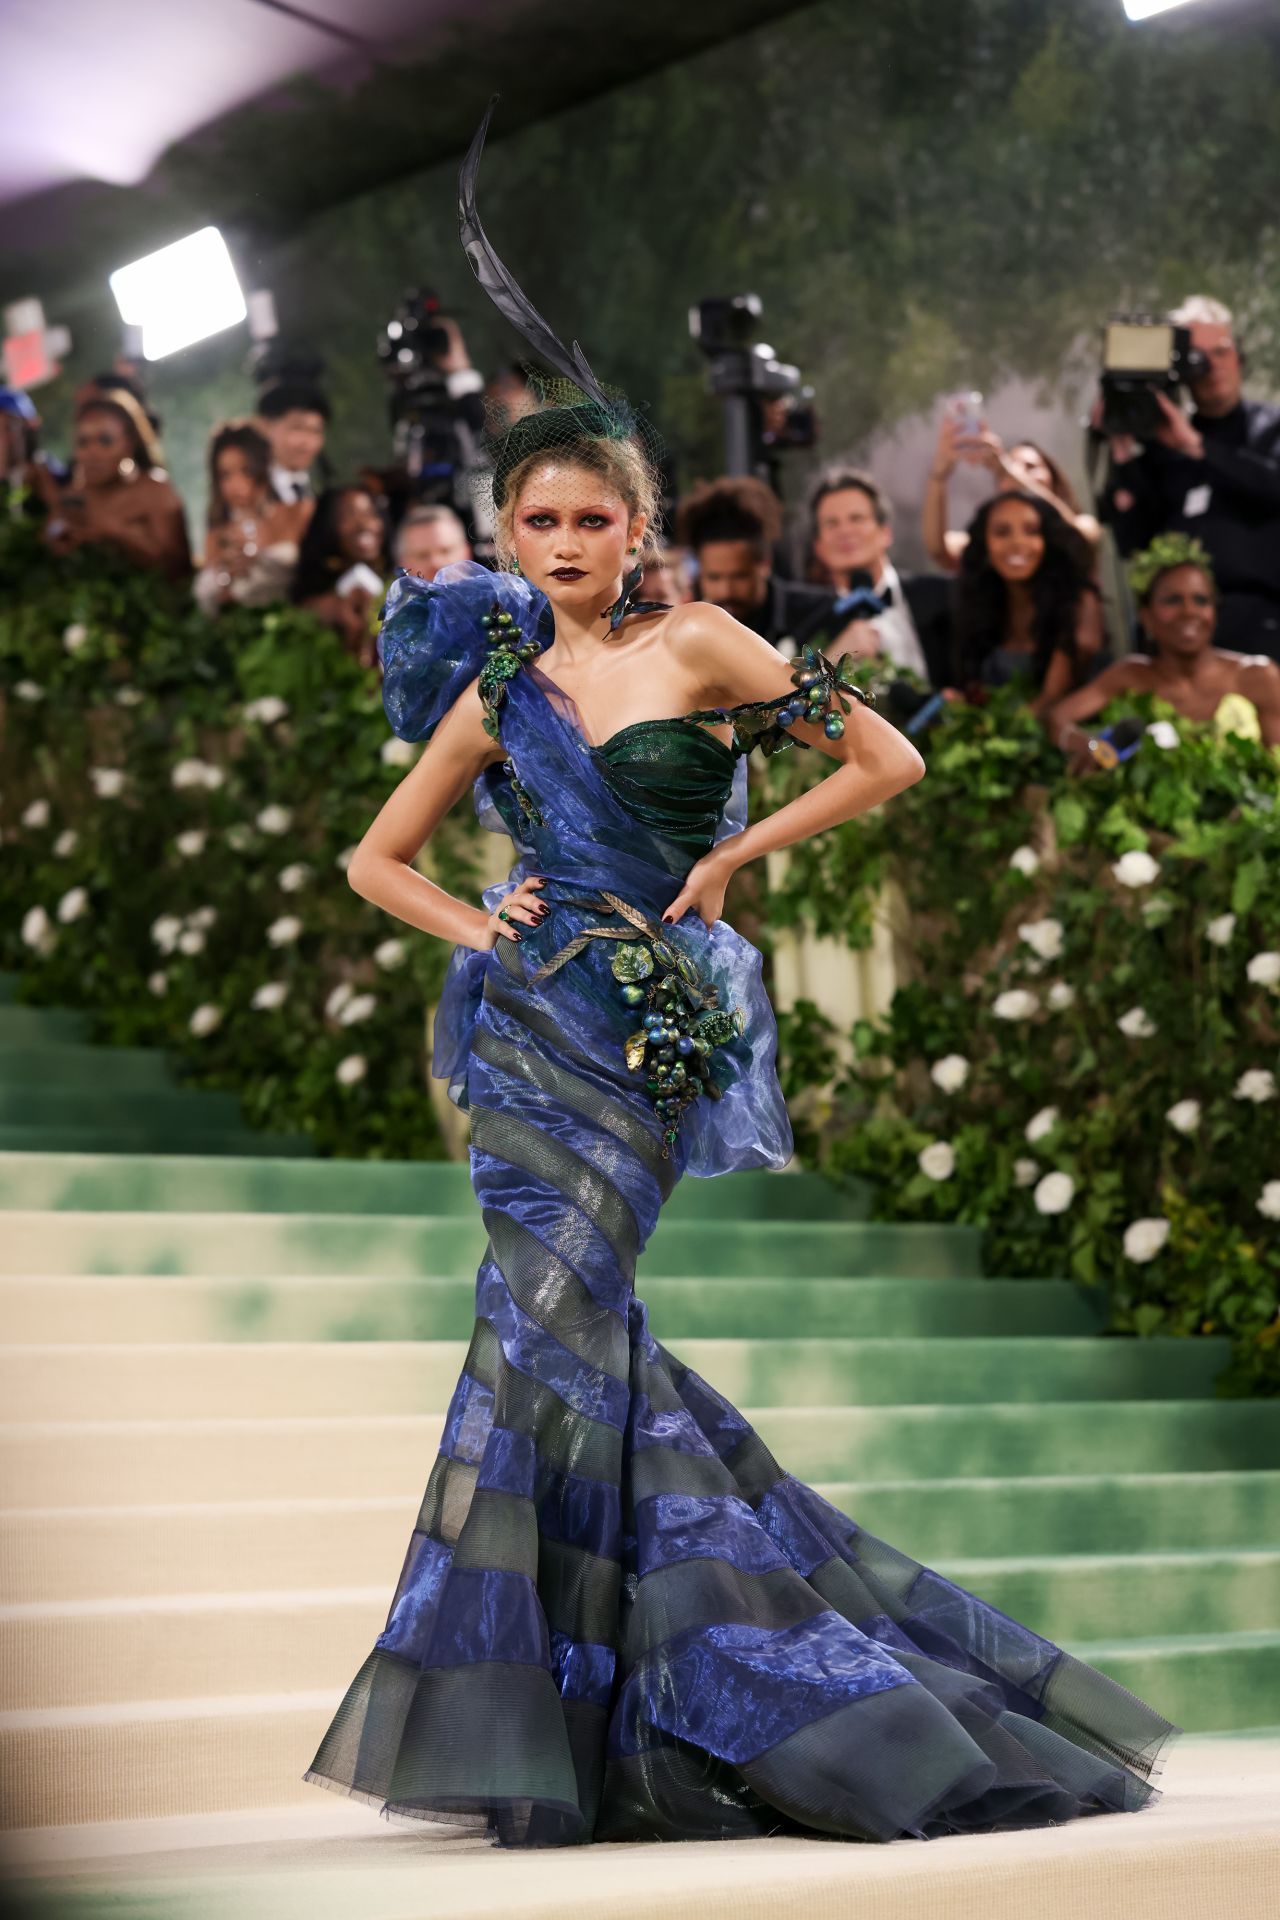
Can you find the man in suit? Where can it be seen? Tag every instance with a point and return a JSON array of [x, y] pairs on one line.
[[293, 415], [730, 526], [850, 536]]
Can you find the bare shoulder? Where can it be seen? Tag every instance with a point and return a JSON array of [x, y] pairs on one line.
[[729, 662], [1133, 674], [1257, 677]]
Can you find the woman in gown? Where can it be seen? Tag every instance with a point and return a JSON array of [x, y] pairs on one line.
[[619, 1617]]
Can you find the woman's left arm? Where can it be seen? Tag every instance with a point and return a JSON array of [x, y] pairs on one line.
[[875, 761]]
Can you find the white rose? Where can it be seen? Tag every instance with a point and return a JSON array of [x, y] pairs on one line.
[[1025, 1172], [239, 837], [390, 954], [158, 982], [74, 637], [37, 814], [283, 930], [66, 843], [1143, 1239], [28, 690], [344, 859], [1163, 733], [292, 879], [202, 917], [1219, 931], [1256, 1084], [1016, 1004], [1044, 937], [949, 1073], [274, 819], [187, 773], [205, 1019], [267, 709], [129, 696], [1137, 1023], [191, 843], [165, 931], [1061, 996], [353, 1068], [938, 1160], [338, 999], [1025, 860], [358, 1008], [1136, 869], [211, 777], [73, 904], [107, 782], [1054, 1193], [38, 930], [399, 753], [191, 940], [1269, 1200], [1264, 970], [271, 994], [1184, 1116], [1041, 1123]]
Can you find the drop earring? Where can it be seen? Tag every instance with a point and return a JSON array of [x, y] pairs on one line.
[[515, 566]]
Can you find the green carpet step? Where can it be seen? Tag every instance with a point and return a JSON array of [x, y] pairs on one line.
[[179, 1110], [112, 1180], [51, 1027], [84, 1553], [1088, 1513], [87, 1068], [50, 1141], [305, 1379], [1129, 1596], [90, 1653], [148, 1307], [260, 1244], [1204, 1682], [156, 1462], [9, 984]]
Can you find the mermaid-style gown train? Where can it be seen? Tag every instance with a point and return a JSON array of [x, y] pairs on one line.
[[619, 1617]]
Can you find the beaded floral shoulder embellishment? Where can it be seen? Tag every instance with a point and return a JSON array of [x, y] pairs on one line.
[[822, 694], [508, 652]]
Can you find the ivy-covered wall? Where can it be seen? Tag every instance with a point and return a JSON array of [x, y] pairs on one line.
[[932, 194]]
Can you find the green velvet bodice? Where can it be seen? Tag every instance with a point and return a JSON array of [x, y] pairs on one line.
[[673, 776]]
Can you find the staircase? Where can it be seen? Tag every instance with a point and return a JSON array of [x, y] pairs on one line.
[[222, 1381]]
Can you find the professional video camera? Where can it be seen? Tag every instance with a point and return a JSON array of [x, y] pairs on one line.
[[435, 434], [1142, 357], [767, 406]]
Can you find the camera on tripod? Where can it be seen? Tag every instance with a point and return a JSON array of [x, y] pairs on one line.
[[436, 435], [767, 405], [1143, 357]]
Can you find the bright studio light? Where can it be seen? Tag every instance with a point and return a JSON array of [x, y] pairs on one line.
[[180, 294], [1144, 9]]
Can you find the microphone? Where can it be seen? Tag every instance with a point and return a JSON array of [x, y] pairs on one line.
[[860, 601], [912, 709]]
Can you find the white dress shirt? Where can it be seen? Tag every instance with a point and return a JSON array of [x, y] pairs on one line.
[[289, 486], [899, 641]]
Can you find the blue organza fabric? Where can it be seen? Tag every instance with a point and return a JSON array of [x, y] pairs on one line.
[[619, 1617]]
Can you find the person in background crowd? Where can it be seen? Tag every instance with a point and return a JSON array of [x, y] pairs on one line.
[[731, 527], [19, 449], [666, 577], [293, 416], [1177, 608], [342, 567], [1026, 608], [1024, 466], [508, 396], [118, 494], [1214, 474], [429, 538], [252, 545], [850, 534]]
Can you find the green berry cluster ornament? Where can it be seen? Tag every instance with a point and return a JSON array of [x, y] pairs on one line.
[[681, 1027], [508, 652], [822, 693]]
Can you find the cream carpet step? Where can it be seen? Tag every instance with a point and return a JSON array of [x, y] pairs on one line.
[[143, 1760], [239, 1379], [1210, 1850], [179, 1646]]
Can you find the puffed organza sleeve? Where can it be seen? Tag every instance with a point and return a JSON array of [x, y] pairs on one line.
[[432, 644]]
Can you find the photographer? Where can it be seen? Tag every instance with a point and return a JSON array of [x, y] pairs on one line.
[[1214, 474]]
